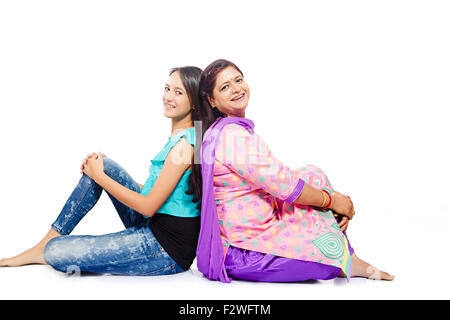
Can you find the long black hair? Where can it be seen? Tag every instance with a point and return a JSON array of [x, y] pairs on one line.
[[190, 76]]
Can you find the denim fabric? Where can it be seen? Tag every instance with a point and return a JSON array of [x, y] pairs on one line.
[[133, 251]]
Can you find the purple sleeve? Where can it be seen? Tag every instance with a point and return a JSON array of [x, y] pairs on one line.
[[296, 192]]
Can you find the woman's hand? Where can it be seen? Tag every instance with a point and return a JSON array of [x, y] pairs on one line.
[[93, 166], [342, 221], [342, 205]]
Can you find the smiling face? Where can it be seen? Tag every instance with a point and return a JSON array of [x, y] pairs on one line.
[[175, 98], [231, 93]]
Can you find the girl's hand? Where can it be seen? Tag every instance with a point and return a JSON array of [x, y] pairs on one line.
[[94, 166], [85, 161], [343, 205], [87, 158]]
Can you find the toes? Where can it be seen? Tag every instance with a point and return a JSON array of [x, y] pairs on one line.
[[387, 276], [3, 262], [375, 274]]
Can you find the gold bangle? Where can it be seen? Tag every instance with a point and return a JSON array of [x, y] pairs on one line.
[[323, 199]]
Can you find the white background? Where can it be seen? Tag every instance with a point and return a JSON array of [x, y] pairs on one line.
[[358, 88]]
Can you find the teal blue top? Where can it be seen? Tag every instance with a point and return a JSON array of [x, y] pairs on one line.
[[178, 203]]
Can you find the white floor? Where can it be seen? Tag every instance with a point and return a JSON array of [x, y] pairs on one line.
[[41, 282], [420, 269]]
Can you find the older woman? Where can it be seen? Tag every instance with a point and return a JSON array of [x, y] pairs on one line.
[[261, 220]]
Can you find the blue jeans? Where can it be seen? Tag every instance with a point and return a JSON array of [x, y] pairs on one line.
[[133, 251]]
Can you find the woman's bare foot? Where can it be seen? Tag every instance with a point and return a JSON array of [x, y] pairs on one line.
[[35, 255], [362, 269]]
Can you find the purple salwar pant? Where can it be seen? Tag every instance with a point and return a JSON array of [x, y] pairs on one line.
[[257, 266]]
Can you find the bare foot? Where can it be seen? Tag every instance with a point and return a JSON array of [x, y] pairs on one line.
[[362, 269], [35, 255]]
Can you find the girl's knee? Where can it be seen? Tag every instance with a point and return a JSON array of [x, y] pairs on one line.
[[117, 173], [54, 253], [51, 251], [112, 169], [109, 165]]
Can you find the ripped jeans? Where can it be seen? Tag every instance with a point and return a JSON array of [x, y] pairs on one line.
[[133, 251]]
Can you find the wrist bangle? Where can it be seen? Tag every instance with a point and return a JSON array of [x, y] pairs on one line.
[[323, 198], [329, 202]]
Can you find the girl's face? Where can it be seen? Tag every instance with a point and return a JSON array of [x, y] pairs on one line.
[[231, 93], [175, 98]]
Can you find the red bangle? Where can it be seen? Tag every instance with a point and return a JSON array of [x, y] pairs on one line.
[[329, 203]]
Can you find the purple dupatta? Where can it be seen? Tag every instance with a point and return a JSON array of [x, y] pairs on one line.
[[210, 255]]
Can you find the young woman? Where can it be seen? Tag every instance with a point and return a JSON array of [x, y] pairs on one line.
[[161, 217], [261, 220]]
